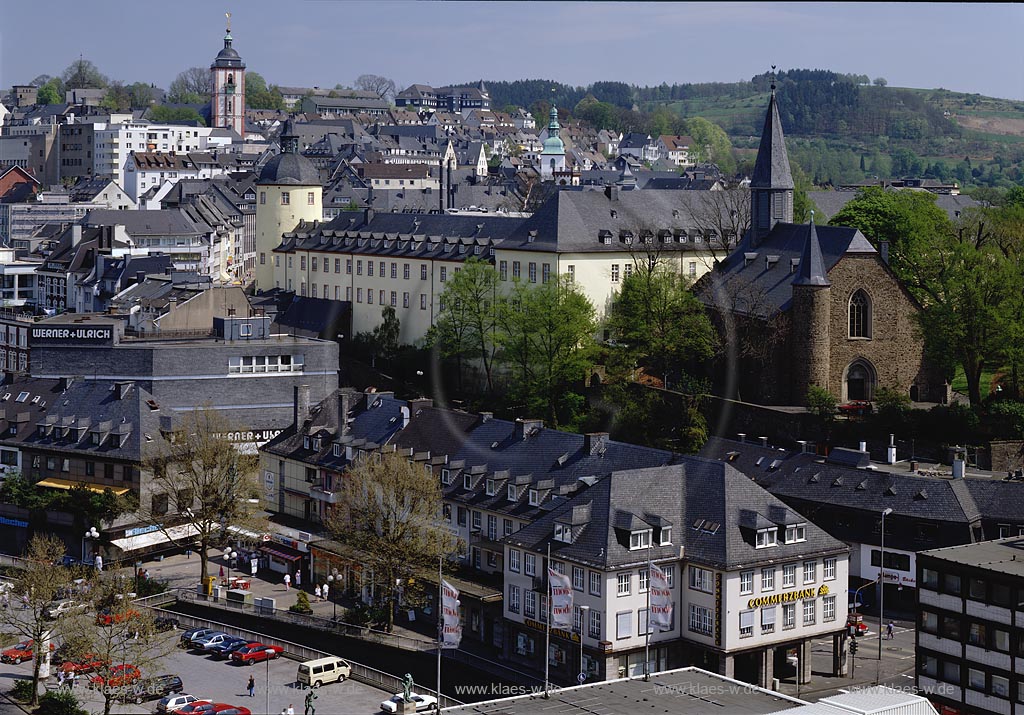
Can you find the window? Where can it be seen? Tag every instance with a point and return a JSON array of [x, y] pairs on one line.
[[405, 299], [423, 301], [513, 598], [245, 330], [746, 624], [976, 679], [477, 520], [263, 197], [615, 273], [795, 533], [1001, 640], [503, 270], [423, 272], [665, 537], [929, 622], [577, 578], [810, 571], [951, 583], [700, 579], [639, 540], [382, 266], [348, 266], [860, 315], [394, 299], [977, 634], [789, 575], [746, 582], [492, 527], [828, 608], [369, 295], [623, 583], [531, 604], [930, 578], [644, 576], [951, 628], [788, 615], [929, 665], [595, 583], [545, 272], [337, 266], [809, 609], [571, 272], [700, 619], [359, 268], [534, 497], [506, 526], [828, 569], [1000, 686], [369, 268], [628, 270], [951, 672], [693, 274], [595, 624], [563, 533], [768, 579], [768, 619], [670, 576], [530, 564], [533, 272], [444, 273], [285, 198], [516, 270], [624, 624], [513, 560], [767, 537]]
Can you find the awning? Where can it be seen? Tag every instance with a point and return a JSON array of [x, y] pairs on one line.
[[282, 552], [55, 483], [175, 533], [245, 533]]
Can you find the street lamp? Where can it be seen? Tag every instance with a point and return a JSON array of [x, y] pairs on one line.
[[137, 564], [881, 592], [331, 577], [583, 625], [90, 533], [229, 555]]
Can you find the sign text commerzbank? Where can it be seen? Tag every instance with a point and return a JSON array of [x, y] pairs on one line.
[[787, 597]]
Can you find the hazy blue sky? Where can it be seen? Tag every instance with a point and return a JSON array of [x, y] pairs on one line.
[[971, 47]]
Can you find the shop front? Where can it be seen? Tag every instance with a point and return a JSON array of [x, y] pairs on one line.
[[525, 647]]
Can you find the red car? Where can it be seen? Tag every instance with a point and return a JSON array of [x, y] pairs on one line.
[[21, 652], [86, 664], [225, 709], [199, 708], [119, 675], [107, 618], [256, 653], [855, 408]]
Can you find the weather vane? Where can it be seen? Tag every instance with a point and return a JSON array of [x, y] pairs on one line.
[[773, 78], [228, 16]]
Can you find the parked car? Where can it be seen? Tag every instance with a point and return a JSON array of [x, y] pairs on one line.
[[423, 702], [225, 648], [166, 623], [323, 670], [209, 641], [150, 688], [856, 408], [255, 653], [174, 703], [107, 617], [225, 709], [197, 708], [855, 621], [85, 664], [117, 677], [21, 652], [62, 608], [186, 637]]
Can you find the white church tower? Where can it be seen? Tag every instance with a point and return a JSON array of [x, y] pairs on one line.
[[228, 101]]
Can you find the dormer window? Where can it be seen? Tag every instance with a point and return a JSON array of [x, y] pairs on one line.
[[316, 444], [534, 497], [467, 481], [666, 536], [336, 451], [22, 396], [796, 533], [489, 490], [639, 539], [446, 476], [305, 442], [563, 533], [767, 537], [513, 493]]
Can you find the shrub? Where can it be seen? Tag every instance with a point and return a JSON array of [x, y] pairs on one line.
[[1011, 413], [59, 702], [821, 402], [301, 604], [892, 402], [22, 690]]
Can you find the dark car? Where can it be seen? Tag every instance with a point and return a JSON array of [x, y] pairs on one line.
[[186, 638], [153, 688], [165, 623], [227, 647]]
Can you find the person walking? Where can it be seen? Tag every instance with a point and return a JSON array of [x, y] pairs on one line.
[[251, 687], [291, 709], [888, 631], [60, 679], [316, 592], [254, 564], [287, 581], [325, 590], [298, 578]]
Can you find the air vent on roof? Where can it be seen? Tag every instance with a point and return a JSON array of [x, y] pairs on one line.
[[759, 461], [697, 524], [862, 486], [710, 527], [891, 491], [776, 463], [813, 479], [494, 444], [923, 494], [749, 258], [837, 482], [562, 459]]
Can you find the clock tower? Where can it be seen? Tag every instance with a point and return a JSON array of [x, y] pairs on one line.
[[228, 102]]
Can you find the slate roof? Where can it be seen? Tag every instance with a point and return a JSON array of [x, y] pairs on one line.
[[761, 287], [811, 271], [771, 170], [163, 222]]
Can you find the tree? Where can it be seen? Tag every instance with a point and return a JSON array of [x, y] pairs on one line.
[[880, 81], [193, 86], [821, 402], [390, 512], [384, 87], [258, 95], [725, 214], [118, 97], [140, 95], [207, 481], [161, 114], [38, 583], [383, 340], [83, 74], [468, 317], [49, 94], [711, 144]]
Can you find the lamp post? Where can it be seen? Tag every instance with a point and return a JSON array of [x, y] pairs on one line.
[[330, 584], [228, 556], [90, 534], [137, 564], [583, 625], [881, 592]]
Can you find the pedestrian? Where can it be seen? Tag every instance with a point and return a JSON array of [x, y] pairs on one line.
[[316, 592], [326, 590], [24, 601], [251, 687], [60, 679], [74, 679], [888, 631], [298, 579], [291, 709], [221, 573], [254, 563], [287, 581]]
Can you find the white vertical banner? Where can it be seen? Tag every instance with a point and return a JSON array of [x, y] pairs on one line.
[[561, 600], [451, 628], [660, 594]]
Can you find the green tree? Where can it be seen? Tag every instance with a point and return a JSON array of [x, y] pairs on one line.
[[83, 74], [140, 95], [118, 97], [821, 402], [390, 513], [802, 203], [711, 143], [468, 317], [385, 335], [162, 113], [49, 93], [258, 95]]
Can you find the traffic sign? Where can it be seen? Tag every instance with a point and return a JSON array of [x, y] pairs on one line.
[[581, 677]]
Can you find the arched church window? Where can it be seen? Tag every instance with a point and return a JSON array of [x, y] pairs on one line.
[[231, 79], [860, 315]]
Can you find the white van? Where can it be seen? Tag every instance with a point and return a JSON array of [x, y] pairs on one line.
[[322, 671]]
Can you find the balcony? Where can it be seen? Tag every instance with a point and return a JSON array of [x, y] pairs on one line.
[[319, 493]]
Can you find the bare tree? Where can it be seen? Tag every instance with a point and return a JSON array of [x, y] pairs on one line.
[[390, 512], [384, 87], [193, 86], [210, 483], [723, 217], [37, 583]]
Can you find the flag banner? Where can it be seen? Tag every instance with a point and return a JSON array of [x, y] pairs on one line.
[[661, 600], [451, 622], [561, 600]]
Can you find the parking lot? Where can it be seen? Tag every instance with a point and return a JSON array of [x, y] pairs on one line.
[[225, 682]]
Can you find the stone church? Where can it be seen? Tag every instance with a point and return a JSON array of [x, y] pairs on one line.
[[800, 305]]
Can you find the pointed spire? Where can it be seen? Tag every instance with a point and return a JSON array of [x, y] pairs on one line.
[[771, 171], [812, 265]]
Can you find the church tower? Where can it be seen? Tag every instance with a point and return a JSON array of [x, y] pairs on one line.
[[552, 156], [227, 108], [771, 186], [289, 191], [810, 320]]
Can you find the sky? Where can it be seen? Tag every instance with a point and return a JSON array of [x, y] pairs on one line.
[[967, 47]]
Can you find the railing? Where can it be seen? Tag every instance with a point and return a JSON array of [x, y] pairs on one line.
[[136, 334]]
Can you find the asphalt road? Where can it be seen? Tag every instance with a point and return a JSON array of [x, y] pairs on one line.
[[225, 682]]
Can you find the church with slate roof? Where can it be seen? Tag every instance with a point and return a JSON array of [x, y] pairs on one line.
[[801, 304]]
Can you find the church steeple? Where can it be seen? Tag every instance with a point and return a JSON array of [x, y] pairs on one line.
[[771, 186], [812, 265]]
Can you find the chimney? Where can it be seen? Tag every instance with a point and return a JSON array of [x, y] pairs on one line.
[[595, 443], [300, 408], [803, 445], [959, 463], [64, 383], [486, 416], [612, 192], [76, 234], [346, 402], [122, 389], [884, 250], [523, 428], [863, 446], [890, 451], [368, 214], [743, 437], [419, 403], [140, 276], [764, 441]]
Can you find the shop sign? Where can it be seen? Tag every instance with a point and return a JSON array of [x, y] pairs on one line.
[[140, 530], [561, 633], [13, 522], [787, 597], [73, 334]]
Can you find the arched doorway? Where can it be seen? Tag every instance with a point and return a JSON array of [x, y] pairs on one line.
[[859, 381]]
